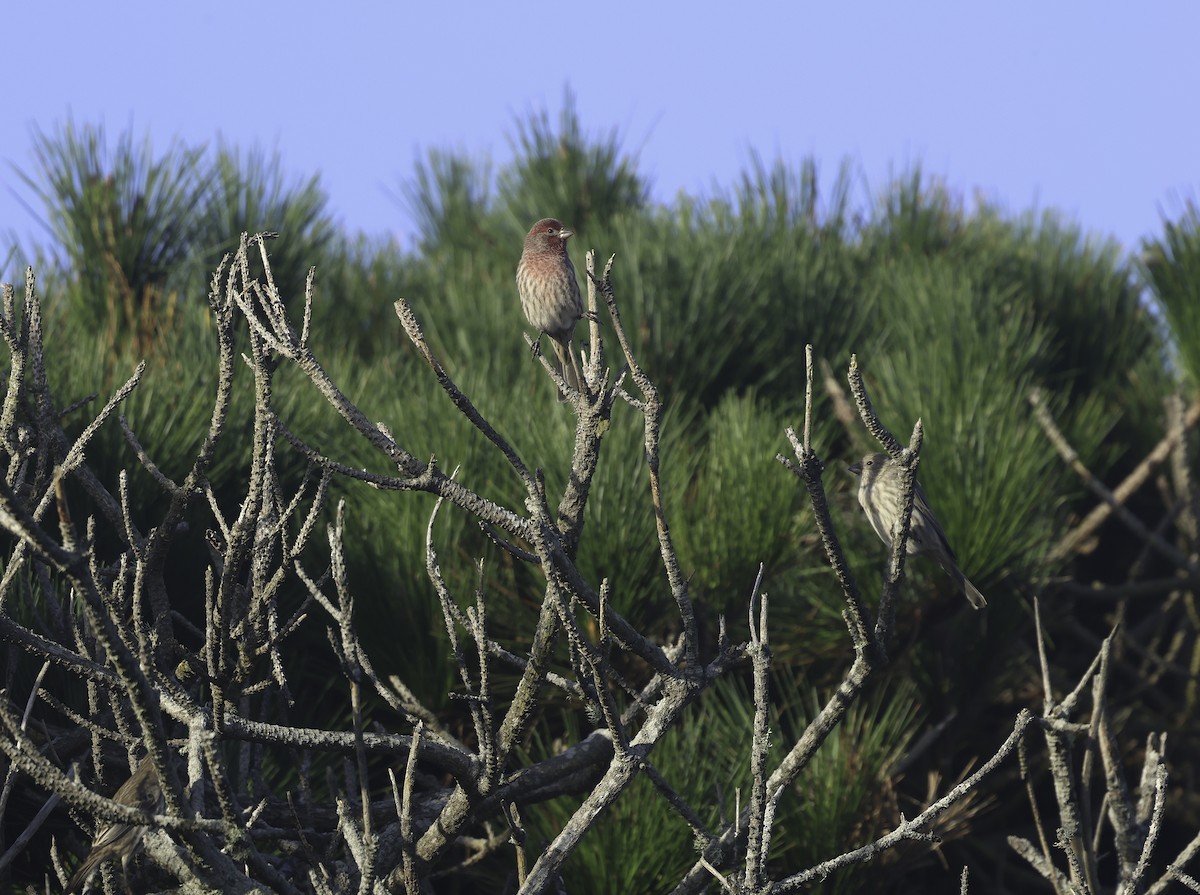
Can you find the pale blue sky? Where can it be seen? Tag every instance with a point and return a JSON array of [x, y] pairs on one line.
[[1088, 107]]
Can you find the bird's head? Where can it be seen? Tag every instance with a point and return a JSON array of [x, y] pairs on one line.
[[548, 234]]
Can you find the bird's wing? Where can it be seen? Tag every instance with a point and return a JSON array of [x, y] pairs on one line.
[[933, 531]]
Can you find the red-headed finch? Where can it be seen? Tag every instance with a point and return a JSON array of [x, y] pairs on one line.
[[120, 840], [549, 293], [879, 492]]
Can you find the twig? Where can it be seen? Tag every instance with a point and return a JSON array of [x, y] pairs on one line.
[[911, 829], [1114, 502], [759, 833]]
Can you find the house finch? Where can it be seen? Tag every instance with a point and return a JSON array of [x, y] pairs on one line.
[[879, 492], [118, 840], [549, 293]]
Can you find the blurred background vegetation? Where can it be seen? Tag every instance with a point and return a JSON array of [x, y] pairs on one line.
[[955, 309]]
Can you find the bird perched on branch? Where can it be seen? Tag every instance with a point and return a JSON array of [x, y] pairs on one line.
[[121, 840], [879, 493], [550, 294]]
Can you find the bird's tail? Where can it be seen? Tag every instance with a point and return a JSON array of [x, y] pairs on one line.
[[971, 592], [84, 873], [568, 365]]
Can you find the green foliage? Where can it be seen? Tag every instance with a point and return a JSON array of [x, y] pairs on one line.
[[955, 315], [620, 540], [124, 222], [139, 232], [1171, 265], [846, 796], [565, 174], [450, 198], [961, 356], [735, 514], [843, 798], [355, 288], [248, 193], [1101, 344], [726, 293]]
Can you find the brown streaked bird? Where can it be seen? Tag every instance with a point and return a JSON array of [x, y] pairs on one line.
[[121, 840], [550, 294], [879, 493]]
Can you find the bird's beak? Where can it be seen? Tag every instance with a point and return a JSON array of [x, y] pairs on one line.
[[565, 234], [855, 468]]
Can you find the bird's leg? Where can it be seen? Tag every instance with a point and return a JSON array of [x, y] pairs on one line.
[[536, 347]]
